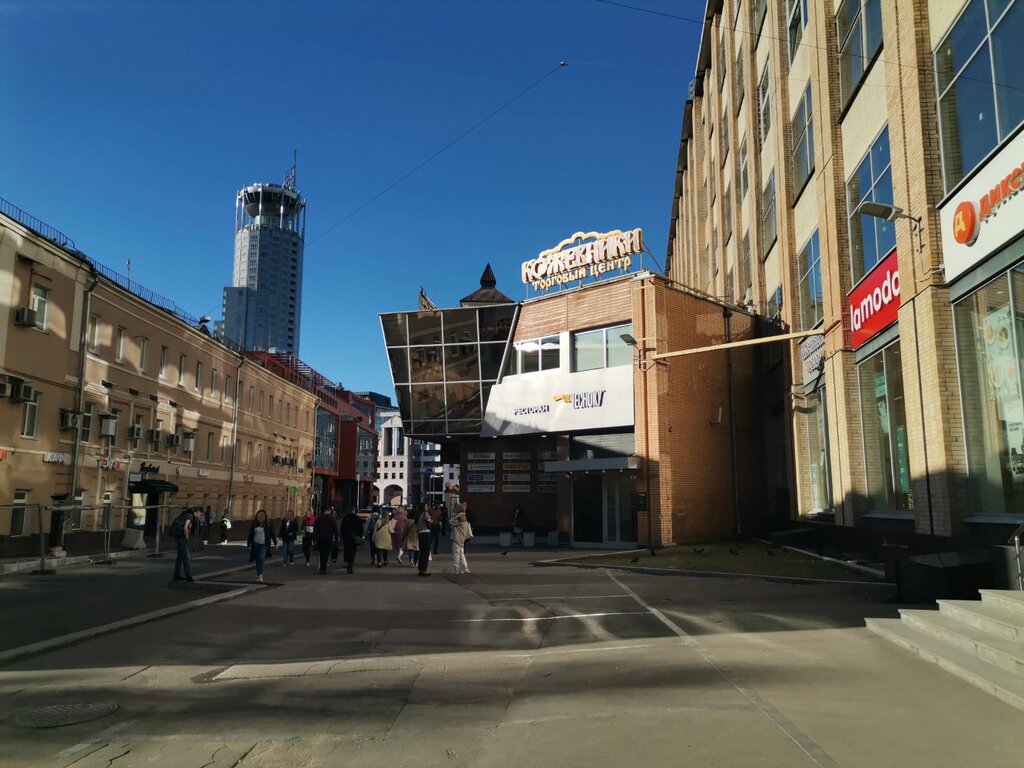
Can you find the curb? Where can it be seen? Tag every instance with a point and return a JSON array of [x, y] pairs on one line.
[[708, 574], [24, 566], [22, 651]]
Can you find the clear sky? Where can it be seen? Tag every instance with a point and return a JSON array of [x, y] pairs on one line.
[[129, 125]]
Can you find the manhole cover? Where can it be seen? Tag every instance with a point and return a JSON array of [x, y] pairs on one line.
[[57, 715]]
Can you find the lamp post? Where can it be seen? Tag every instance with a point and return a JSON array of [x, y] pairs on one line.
[[644, 364]]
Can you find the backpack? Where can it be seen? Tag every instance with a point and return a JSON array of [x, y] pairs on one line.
[[178, 526]]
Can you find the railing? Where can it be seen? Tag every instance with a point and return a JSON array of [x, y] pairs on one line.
[[144, 293], [30, 221], [1015, 540]]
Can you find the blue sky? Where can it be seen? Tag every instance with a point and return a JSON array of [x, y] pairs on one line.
[[130, 125]]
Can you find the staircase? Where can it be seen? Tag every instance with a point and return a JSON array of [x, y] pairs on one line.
[[980, 642]]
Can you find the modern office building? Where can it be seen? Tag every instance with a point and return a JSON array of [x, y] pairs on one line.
[[850, 169], [263, 307], [116, 403]]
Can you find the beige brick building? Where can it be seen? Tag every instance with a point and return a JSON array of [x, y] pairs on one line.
[[808, 123], [166, 414]]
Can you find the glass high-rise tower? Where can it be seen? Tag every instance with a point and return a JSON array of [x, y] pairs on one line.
[[262, 307]]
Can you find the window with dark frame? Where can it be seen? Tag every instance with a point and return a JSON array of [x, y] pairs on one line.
[[802, 134], [809, 264], [764, 100], [769, 230], [871, 238], [859, 30]]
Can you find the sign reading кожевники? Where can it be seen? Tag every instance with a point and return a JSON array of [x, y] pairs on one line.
[[606, 252]]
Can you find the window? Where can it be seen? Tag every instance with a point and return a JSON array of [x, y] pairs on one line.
[[745, 273], [774, 310], [981, 89], [248, 454], [271, 411], [739, 85], [871, 238], [119, 342], [136, 431], [722, 59], [198, 383], [768, 228], [252, 395], [228, 394], [760, 11], [723, 135], [602, 348], [809, 264], [181, 370], [163, 362], [536, 355], [819, 474], [886, 454], [87, 413], [859, 28], [261, 402], [29, 416], [94, 333], [143, 353], [797, 21], [223, 449], [209, 446], [727, 216], [802, 133], [743, 168], [40, 302], [18, 513], [764, 100], [730, 293], [213, 383]]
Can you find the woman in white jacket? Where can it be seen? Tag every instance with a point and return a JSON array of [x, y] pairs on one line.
[[383, 530], [461, 533]]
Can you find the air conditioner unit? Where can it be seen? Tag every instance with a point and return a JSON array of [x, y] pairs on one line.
[[22, 392], [190, 442], [5, 387], [154, 435], [68, 419], [25, 316], [275, 459], [174, 441], [108, 425], [134, 432]]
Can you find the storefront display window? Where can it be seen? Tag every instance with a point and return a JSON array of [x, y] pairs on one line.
[[817, 452], [886, 454], [990, 332]]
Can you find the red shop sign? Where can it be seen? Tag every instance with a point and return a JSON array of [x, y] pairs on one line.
[[875, 301]]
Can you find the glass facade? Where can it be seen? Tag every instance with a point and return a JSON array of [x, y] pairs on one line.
[[601, 348], [884, 416], [990, 334], [444, 363], [819, 478], [871, 238]]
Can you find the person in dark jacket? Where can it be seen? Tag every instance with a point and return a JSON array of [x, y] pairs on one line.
[[288, 533], [351, 537], [307, 535], [325, 531], [423, 524], [261, 536]]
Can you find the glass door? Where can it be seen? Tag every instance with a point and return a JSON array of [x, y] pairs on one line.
[[617, 512]]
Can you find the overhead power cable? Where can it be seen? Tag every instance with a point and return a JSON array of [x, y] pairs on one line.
[[442, 150]]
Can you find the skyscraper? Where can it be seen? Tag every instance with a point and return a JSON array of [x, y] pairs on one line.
[[263, 305]]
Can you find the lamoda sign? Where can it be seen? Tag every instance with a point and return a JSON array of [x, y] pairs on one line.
[[568, 263], [875, 301], [985, 213]]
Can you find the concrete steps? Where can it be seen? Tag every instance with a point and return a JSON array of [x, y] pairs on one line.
[[980, 642]]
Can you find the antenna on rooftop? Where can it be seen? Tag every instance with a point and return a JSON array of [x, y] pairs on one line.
[[289, 177]]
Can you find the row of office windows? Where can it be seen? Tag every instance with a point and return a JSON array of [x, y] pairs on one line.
[[590, 350]]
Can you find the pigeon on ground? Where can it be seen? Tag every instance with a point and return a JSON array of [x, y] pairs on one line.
[[635, 559], [734, 552], [504, 553], [699, 550], [653, 553]]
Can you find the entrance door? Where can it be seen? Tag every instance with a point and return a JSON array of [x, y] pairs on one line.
[[586, 509], [619, 517]]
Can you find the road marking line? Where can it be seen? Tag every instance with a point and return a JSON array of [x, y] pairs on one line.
[[552, 618], [801, 739], [553, 597]]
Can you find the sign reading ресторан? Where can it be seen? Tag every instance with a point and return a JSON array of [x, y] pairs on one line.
[[603, 253]]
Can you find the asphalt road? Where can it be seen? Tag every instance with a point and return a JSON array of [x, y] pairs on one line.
[[512, 665]]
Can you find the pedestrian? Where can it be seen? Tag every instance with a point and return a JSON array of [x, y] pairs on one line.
[[288, 533], [225, 526], [517, 526], [435, 527], [307, 534], [461, 533], [423, 535], [401, 523], [207, 524], [371, 524], [260, 537], [182, 528], [325, 531], [383, 530], [410, 541], [351, 537]]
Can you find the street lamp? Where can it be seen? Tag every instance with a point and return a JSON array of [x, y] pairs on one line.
[[641, 359], [892, 213]]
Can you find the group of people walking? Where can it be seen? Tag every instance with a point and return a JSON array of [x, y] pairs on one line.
[[413, 537]]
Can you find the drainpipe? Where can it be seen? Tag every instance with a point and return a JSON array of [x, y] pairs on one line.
[[234, 436], [83, 346], [727, 314]]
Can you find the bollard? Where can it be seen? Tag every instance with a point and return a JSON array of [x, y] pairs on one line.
[[42, 570], [156, 552], [106, 537]]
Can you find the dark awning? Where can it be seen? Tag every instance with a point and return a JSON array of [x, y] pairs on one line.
[[152, 485]]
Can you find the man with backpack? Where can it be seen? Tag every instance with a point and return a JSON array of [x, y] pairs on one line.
[[181, 529]]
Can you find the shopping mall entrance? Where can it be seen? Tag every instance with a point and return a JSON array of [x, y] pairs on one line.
[[602, 510]]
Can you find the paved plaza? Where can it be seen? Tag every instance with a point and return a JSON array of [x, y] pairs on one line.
[[513, 665]]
